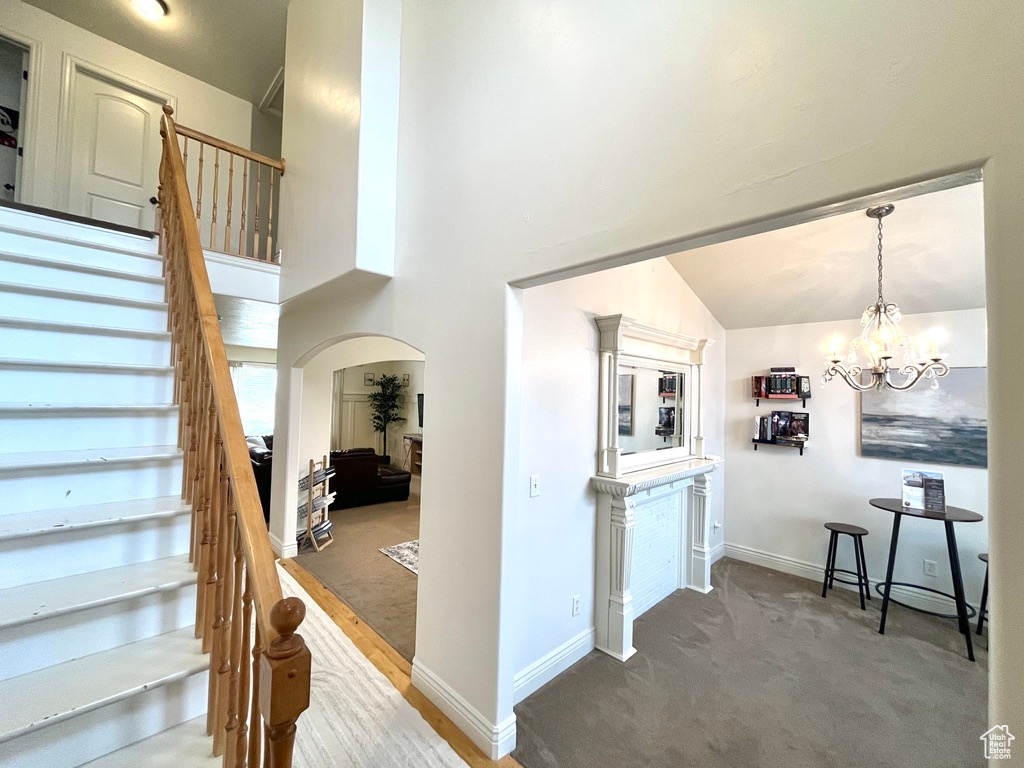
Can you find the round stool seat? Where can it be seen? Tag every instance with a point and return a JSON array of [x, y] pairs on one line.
[[852, 530], [983, 557]]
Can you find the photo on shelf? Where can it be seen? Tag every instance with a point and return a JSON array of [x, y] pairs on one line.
[[666, 421]]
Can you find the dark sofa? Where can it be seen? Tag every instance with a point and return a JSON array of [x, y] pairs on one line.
[[362, 477]]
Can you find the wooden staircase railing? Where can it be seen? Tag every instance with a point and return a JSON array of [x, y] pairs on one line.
[[242, 176], [230, 547]]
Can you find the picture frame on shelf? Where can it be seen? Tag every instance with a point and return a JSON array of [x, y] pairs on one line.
[[666, 421]]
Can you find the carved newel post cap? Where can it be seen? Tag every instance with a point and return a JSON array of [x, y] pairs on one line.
[[286, 615], [168, 110]]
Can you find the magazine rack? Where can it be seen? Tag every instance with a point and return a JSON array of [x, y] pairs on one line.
[[318, 498]]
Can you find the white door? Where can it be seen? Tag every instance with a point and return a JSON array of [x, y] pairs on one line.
[[115, 152]]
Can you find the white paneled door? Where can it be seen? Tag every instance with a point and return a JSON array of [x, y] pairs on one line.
[[115, 152]]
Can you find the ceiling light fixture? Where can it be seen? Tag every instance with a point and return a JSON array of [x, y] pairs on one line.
[[151, 10], [881, 341]]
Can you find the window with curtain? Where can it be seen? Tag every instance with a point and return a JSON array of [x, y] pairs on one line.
[[256, 390]]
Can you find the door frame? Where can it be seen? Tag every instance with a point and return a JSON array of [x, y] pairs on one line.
[[24, 180], [71, 67]]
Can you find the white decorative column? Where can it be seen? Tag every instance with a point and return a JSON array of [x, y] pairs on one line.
[[699, 577], [618, 641]]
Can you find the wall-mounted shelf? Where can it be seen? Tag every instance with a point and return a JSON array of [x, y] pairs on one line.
[[799, 446], [803, 400]]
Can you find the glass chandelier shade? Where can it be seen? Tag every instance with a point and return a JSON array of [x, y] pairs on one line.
[[882, 347]]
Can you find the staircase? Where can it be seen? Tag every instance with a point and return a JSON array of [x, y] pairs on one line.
[[99, 661]]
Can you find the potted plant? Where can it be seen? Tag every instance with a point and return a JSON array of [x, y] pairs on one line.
[[385, 405]]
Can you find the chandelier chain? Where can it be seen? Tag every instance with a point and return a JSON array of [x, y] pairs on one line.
[[880, 302]]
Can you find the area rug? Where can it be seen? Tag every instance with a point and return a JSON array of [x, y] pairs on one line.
[[356, 716], [406, 554]]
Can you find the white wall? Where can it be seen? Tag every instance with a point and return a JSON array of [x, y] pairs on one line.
[[778, 500], [541, 139], [554, 533], [199, 105], [341, 182]]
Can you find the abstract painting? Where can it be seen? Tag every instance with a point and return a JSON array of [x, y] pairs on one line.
[[948, 425]]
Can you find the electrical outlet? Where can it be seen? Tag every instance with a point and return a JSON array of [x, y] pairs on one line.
[[534, 486], [929, 567], [575, 605]]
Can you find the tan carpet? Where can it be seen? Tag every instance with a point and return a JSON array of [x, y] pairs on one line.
[[764, 673], [380, 591]]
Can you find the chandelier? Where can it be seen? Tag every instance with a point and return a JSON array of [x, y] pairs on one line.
[[881, 342]]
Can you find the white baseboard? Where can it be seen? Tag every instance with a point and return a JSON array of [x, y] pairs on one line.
[[717, 553], [496, 740], [551, 665], [816, 572], [282, 550]]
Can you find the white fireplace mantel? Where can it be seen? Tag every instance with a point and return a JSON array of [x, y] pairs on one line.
[[622, 503]]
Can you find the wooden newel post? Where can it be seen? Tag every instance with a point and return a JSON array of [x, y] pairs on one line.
[[284, 681]]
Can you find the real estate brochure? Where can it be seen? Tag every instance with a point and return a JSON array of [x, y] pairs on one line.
[[924, 490]]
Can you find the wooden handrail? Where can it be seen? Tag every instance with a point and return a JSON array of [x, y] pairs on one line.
[[227, 146], [229, 537]]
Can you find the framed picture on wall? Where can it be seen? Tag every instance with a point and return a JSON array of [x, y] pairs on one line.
[[405, 379], [948, 425], [627, 391], [369, 380]]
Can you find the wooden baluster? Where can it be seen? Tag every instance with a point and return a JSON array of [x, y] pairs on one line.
[[185, 159], [216, 194], [213, 510], [238, 625], [222, 655], [199, 188], [241, 748], [231, 189], [245, 195], [204, 528], [285, 670], [256, 216], [255, 732], [270, 219]]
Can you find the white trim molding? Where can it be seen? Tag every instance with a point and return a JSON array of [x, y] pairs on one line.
[[495, 739], [283, 550], [816, 572], [552, 664]]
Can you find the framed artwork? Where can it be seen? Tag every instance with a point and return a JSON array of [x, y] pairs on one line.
[[627, 392], [948, 425], [369, 380], [405, 379]]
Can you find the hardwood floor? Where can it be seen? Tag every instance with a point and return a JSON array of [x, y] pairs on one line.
[[393, 667]]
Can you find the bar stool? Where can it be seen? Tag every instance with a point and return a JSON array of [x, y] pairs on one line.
[[982, 612], [857, 534]]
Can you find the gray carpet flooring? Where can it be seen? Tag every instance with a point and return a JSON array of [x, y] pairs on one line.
[[380, 591], [763, 672]]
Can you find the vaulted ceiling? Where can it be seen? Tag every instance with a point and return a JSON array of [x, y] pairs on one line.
[[235, 45], [827, 269]]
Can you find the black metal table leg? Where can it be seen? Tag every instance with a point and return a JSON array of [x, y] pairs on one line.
[[828, 562], [860, 572], [864, 565], [984, 603], [888, 573], [958, 588]]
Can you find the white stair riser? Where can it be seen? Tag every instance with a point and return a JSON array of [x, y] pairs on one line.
[[55, 345], [28, 647], [81, 430], [33, 306], [74, 253], [33, 385], [55, 276], [95, 483], [90, 735], [56, 555], [57, 228]]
